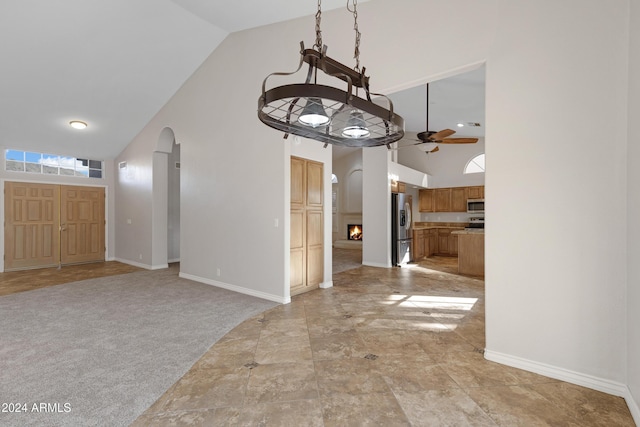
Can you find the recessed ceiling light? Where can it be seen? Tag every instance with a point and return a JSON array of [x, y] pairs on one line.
[[460, 125], [77, 124]]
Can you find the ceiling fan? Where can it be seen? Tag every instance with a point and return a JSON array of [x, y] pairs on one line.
[[430, 139]]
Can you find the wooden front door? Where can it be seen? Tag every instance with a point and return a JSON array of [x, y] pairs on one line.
[[47, 225], [307, 225], [81, 224], [32, 218]]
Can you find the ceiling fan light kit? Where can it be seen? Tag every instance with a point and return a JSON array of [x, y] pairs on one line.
[[326, 113]]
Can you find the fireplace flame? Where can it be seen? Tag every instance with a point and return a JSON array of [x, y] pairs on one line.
[[355, 233]]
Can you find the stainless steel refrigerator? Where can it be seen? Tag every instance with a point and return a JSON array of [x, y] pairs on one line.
[[401, 233]]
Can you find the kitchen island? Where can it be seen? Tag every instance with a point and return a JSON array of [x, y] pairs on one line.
[[470, 251]]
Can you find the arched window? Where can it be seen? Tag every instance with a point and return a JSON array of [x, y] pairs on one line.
[[475, 165], [334, 178]]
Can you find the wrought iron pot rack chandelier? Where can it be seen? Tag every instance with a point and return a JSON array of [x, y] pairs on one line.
[[326, 113]]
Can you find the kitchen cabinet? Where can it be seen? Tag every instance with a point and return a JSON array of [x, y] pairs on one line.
[[471, 253], [476, 192], [453, 199], [443, 199], [398, 187], [418, 245], [453, 244], [459, 199], [431, 242], [444, 235], [426, 200]]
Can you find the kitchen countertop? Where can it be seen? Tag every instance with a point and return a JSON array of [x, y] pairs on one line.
[[435, 225], [471, 231]]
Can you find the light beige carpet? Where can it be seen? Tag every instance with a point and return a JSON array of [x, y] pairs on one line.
[[101, 351]]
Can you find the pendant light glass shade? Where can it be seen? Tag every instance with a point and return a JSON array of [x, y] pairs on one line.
[[314, 114], [356, 126]]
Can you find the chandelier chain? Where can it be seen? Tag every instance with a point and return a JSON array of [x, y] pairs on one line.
[[356, 53], [318, 44]]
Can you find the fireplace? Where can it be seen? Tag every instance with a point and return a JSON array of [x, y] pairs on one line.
[[354, 231]]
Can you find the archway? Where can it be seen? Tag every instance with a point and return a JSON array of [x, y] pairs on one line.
[[165, 201]]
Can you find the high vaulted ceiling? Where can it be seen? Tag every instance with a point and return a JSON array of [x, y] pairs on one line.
[[112, 64]]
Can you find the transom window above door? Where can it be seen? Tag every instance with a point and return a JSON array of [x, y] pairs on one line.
[[52, 164]]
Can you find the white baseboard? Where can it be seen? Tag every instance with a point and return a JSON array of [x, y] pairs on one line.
[[173, 260], [585, 380], [135, 264], [141, 265], [375, 264], [326, 285], [634, 407], [239, 289]]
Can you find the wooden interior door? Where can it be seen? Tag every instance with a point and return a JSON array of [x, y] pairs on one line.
[[31, 225], [82, 224], [307, 225]]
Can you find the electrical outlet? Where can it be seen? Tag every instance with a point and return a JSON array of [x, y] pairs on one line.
[[218, 272]]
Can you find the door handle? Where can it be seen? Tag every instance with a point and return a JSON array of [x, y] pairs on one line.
[[62, 227]]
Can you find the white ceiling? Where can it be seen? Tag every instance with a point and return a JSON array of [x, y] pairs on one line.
[[114, 64], [456, 99]]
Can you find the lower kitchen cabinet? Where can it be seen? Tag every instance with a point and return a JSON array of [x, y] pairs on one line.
[[434, 241], [443, 241], [418, 245]]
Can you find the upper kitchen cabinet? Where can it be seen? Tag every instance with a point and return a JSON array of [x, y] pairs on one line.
[[426, 200], [459, 199], [476, 192], [448, 199], [398, 187], [443, 199]]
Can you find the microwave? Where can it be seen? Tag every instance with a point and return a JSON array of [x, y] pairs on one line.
[[475, 205]]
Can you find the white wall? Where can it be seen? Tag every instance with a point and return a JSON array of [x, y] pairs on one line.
[[555, 272], [633, 226], [134, 185], [107, 181], [376, 208], [555, 281]]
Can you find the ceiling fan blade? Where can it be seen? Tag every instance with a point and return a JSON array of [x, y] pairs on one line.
[[458, 141], [442, 134], [434, 150]]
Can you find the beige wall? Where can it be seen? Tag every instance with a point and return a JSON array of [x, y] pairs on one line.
[[556, 137], [633, 226]]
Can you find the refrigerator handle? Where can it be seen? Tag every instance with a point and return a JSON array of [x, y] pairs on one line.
[[407, 207]]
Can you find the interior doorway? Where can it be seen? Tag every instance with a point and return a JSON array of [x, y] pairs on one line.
[[173, 205], [49, 225], [166, 201]]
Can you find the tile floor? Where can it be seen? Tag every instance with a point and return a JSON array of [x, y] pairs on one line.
[[383, 347]]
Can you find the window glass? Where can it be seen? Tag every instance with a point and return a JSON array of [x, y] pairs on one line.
[[33, 157], [15, 155], [51, 164], [475, 165], [50, 160]]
